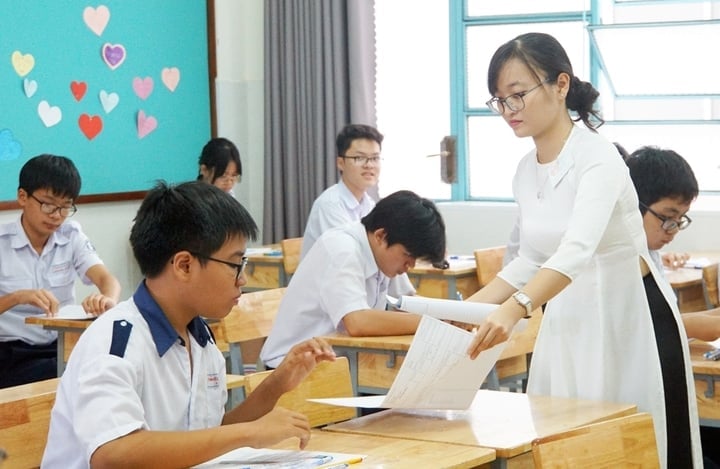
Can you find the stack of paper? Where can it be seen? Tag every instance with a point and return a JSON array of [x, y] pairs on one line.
[[252, 458]]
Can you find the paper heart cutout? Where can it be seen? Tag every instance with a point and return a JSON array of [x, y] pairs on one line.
[[90, 125], [10, 149], [145, 124], [78, 89], [113, 55], [22, 63], [96, 18], [108, 101], [50, 115], [170, 77], [143, 86], [30, 87]]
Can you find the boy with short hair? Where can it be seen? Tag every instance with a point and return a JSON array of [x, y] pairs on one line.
[[145, 384], [42, 254], [342, 282]]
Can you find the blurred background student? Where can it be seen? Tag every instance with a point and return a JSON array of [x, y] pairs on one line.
[[219, 164]]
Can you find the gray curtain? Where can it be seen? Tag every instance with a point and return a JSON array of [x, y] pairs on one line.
[[319, 76]]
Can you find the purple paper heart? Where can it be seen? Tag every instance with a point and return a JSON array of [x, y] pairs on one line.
[[113, 55]]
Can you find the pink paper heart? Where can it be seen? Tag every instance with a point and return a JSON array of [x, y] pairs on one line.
[[143, 86], [145, 124], [113, 55], [96, 18], [170, 77]]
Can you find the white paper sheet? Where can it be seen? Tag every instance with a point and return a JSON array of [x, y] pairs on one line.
[[436, 373], [73, 312], [451, 310], [279, 458]]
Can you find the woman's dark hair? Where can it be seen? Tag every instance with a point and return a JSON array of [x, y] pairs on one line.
[[216, 154], [544, 55]]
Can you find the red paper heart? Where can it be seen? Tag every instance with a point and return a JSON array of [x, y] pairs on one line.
[[90, 125], [78, 89]]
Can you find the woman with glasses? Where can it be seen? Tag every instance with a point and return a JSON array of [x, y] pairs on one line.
[[610, 331], [219, 164]]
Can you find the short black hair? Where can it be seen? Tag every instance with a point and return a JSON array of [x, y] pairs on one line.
[[659, 173], [56, 173], [217, 154], [192, 216], [352, 132], [412, 221]]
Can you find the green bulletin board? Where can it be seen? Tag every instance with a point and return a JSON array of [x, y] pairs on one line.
[[120, 87]]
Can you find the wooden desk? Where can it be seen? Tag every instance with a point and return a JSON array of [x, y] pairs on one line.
[[707, 384], [688, 283], [460, 277], [68, 332], [396, 453], [504, 421], [265, 271]]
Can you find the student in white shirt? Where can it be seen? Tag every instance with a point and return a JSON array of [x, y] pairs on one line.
[[341, 284]]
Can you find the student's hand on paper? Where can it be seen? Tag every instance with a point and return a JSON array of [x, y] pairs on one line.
[[495, 329], [674, 260], [462, 325], [41, 298], [280, 424], [300, 361], [97, 303]]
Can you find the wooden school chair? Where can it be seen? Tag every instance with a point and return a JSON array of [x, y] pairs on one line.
[[621, 442], [489, 262], [328, 379], [25, 421], [710, 285], [290, 248]]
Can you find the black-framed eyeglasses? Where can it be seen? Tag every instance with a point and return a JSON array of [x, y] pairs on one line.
[[239, 268], [670, 225], [49, 209], [514, 102], [363, 160]]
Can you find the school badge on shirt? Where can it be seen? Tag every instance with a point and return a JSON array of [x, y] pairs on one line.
[[213, 380]]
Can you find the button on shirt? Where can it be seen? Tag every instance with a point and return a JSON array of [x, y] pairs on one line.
[[339, 275], [102, 397], [67, 255]]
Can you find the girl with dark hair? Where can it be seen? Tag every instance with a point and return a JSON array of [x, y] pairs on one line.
[[219, 164]]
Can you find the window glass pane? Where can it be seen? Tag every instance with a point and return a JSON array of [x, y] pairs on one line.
[[660, 60], [483, 41], [646, 12], [698, 144], [492, 8], [494, 154], [412, 93]]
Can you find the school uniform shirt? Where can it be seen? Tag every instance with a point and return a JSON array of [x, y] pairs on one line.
[[339, 275], [579, 216], [67, 255], [337, 206], [130, 370]]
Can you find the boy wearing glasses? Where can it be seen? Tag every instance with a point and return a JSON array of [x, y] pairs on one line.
[[145, 385], [42, 254]]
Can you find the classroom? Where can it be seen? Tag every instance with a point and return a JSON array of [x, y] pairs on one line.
[[481, 188]]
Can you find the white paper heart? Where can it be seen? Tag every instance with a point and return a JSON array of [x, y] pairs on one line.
[[96, 18], [108, 100], [50, 115], [30, 87], [170, 77]]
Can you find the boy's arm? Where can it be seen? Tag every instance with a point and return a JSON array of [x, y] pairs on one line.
[[374, 322], [145, 448], [297, 364], [98, 303], [43, 299], [703, 325]]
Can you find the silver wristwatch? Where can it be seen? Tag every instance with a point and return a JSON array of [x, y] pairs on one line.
[[523, 300]]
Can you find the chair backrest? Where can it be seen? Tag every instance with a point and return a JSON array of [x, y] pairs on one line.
[[710, 285], [291, 248], [622, 442], [25, 421], [328, 379], [489, 262]]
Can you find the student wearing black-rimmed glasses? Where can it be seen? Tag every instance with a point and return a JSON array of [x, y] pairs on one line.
[[42, 253], [145, 385]]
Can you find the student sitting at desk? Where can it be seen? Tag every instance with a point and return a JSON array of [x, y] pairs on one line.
[[666, 187], [359, 162], [341, 284], [42, 254], [145, 385], [219, 164]]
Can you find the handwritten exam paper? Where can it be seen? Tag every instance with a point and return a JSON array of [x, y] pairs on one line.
[[451, 310], [278, 458], [436, 373]]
